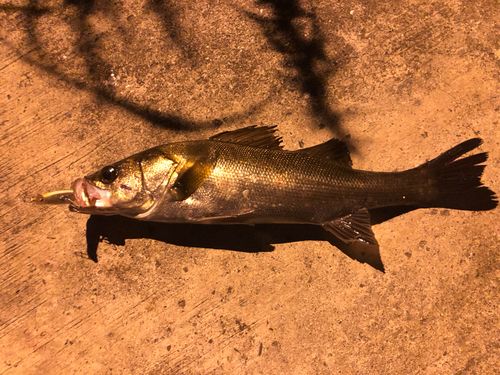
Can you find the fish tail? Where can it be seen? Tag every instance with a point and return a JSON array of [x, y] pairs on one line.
[[456, 181]]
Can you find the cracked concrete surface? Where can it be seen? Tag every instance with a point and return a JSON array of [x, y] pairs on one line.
[[85, 83]]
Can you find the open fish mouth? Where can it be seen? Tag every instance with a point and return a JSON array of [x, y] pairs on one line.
[[87, 195]]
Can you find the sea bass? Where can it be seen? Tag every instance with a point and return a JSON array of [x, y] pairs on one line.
[[245, 177]]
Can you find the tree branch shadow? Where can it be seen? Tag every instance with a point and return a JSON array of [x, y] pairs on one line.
[[295, 33], [98, 69], [167, 11]]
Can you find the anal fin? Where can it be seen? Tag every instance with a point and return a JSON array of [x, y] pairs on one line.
[[355, 227]]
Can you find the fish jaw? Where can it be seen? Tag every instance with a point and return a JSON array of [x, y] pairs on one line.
[[88, 195]]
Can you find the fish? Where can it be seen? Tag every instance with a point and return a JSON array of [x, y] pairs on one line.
[[246, 177]]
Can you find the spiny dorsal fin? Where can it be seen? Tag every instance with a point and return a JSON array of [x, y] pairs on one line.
[[262, 136], [191, 177], [333, 150], [353, 227]]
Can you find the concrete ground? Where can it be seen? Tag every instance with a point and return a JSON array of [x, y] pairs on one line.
[[86, 83]]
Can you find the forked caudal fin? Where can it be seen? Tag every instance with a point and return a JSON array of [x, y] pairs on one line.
[[458, 181]]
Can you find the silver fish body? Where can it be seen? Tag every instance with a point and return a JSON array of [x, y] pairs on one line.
[[245, 177], [254, 185]]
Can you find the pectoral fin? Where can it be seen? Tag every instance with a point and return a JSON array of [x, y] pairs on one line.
[[191, 177], [355, 227]]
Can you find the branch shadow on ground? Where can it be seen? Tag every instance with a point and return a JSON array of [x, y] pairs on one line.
[[98, 69], [243, 238], [295, 33], [168, 12]]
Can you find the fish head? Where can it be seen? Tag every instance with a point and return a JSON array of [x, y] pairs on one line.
[[129, 187]]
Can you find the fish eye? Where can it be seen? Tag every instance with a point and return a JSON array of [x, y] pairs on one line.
[[108, 174]]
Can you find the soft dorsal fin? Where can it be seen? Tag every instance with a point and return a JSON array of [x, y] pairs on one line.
[[333, 150], [355, 227], [262, 136], [191, 177]]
